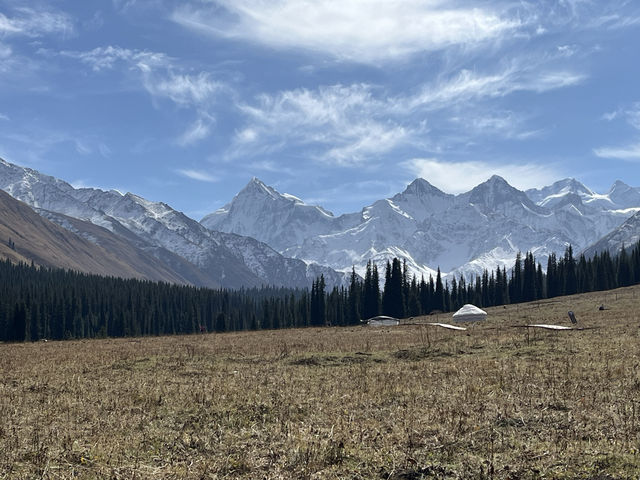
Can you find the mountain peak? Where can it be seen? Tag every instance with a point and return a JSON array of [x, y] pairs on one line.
[[258, 187], [571, 185], [497, 179], [420, 187], [624, 195], [619, 185], [495, 192], [495, 183]]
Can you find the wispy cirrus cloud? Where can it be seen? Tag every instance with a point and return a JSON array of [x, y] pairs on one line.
[[162, 78], [352, 124], [197, 131], [21, 27], [184, 89], [159, 74], [361, 31], [35, 145], [35, 22], [627, 152], [507, 124], [459, 177], [468, 85], [107, 58], [197, 175], [346, 124], [630, 151]]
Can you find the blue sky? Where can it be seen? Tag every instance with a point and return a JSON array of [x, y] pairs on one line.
[[337, 102]]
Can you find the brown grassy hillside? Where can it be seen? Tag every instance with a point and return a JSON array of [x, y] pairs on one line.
[[47, 244]]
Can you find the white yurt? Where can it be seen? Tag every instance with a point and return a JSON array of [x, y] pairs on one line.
[[469, 313]]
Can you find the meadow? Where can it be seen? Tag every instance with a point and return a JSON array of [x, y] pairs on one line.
[[401, 403]]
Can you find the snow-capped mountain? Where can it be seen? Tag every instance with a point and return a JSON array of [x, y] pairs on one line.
[[280, 220], [619, 198], [169, 235], [624, 196], [626, 235], [265, 237], [29, 237], [462, 234]]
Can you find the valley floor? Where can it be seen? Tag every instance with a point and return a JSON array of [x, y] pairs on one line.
[[405, 402]]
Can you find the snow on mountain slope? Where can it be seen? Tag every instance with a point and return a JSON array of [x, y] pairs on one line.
[[620, 196], [162, 229], [624, 196], [280, 220], [626, 234], [28, 237], [463, 235], [154, 263]]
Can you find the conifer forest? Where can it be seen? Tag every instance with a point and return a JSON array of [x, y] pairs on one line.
[[39, 303]]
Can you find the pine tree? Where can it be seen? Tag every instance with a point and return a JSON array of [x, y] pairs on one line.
[[413, 302], [552, 276], [499, 296], [570, 277], [354, 298], [515, 286], [393, 298], [438, 298], [625, 275], [425, 298], [539, 282], [529, 278], [371, 294]]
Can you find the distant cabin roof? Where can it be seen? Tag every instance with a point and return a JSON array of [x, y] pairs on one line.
[[382, 320]]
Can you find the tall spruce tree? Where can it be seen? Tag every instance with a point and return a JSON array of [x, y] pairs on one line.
[[571, 277], [438, 297], [393, 298], [355, 293], [515, 286]]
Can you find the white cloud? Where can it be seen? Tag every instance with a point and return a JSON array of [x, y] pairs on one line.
[[366, 31], [4, 117], [459, 177], [352, 124], [35, 23], [505, 124], [161, 77], [183, 89], [271, 166], [468, 85], [197, 131], [629, 152], [347, 123], [104, 150], [106, 58], [633, 116], [610, 116], [82, 148], [245, 136], [197, 175], [36, 144], [567, 50]]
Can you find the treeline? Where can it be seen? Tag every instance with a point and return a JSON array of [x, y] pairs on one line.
[[41, 303]]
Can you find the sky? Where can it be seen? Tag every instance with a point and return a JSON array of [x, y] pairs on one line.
[[338, 102]]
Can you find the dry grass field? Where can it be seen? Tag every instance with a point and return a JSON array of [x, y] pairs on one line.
[[405, 402]]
